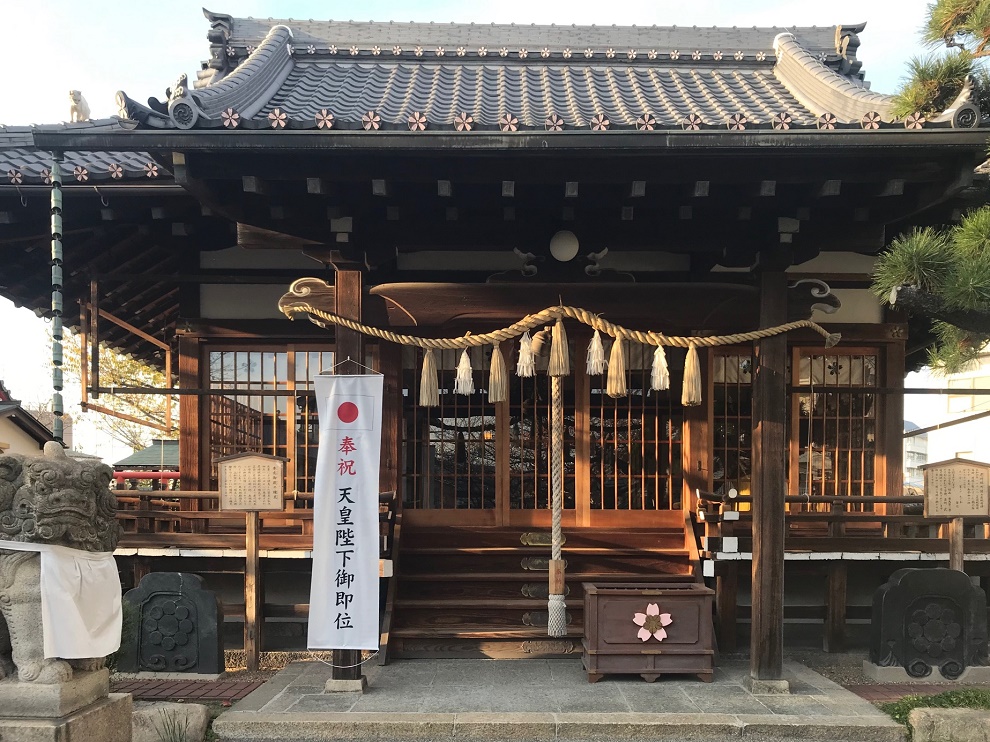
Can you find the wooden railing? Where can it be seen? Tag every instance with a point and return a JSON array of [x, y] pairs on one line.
[[192, 520], [829, 530]]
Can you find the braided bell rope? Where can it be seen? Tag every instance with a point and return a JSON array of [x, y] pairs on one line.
[[550, 314], [556, 475], [556, 609]]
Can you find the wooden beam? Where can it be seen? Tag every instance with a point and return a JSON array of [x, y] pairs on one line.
[[769, 480], [253, 184], [318, 186], [893, 187], [343, 224], [830, 188]]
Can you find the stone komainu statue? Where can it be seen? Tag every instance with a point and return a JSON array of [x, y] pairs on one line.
[[48, 499]]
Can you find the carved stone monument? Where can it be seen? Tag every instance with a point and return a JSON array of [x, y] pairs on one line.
[[928, 619], [179, 627], [58, 516]]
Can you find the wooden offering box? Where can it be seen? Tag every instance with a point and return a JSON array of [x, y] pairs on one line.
[[649, 629]]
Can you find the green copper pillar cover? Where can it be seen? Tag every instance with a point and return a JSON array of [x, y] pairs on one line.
[[56, 313]]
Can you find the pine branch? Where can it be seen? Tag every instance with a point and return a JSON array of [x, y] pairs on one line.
[[916, 301]]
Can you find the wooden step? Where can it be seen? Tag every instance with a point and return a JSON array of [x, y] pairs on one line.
[[510, 537], [522, 604], [472, 563], [528, 576], [482, 632]]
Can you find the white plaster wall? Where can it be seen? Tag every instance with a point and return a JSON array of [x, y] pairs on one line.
[[241, 301], [17, 440], [858, 306], [240, 257]]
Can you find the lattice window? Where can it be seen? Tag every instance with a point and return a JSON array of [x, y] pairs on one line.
[[835, 414], [529, 441], [449, 461], [636, 440], [732, 412], [246, 416]]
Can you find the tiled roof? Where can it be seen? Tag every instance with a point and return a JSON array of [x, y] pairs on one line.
[[21, 163], [286, 74], [161, 454], [491, 94], [235, 38]]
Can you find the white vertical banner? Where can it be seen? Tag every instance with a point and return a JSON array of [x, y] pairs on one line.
[[343, 601]]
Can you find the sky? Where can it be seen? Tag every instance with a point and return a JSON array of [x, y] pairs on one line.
[[48, 47]]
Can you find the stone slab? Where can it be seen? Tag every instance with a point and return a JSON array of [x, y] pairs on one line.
[[767, 687], [821, 729], [541, 727], [955, 725], [151, 721], [107, 720], [346, 686], [977, 674], [169, 676], [51, 701]]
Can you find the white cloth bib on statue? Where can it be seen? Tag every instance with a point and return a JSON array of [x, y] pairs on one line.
[[81, 613]]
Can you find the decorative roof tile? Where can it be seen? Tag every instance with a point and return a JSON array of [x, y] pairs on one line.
[[727, 79], [23, 164]]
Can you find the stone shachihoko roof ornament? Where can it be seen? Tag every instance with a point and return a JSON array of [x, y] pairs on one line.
[[419, 77]]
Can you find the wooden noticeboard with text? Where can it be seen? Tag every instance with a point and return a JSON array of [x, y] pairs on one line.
[[957, 489], [251, 483]]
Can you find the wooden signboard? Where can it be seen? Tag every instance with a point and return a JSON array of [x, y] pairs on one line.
[[957, 488], [251, 482]]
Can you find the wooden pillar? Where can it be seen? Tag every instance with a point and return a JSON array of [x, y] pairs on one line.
[[835, 607], [348, 344], [726, 604], [390, 365], [769, 481], [254, 592], [191, 425]]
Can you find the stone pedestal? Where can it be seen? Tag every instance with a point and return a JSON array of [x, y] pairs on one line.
[[77, 710]]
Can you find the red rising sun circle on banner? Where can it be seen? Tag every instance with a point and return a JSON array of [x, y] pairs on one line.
[[347, 412]]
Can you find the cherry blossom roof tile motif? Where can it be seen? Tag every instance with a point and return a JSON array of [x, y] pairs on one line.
[[21, 163]]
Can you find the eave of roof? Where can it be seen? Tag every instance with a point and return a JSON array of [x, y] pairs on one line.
[[592, 142], [22, 162], [25, 421]]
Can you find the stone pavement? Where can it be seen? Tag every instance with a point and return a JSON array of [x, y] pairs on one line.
[[548, 700]]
